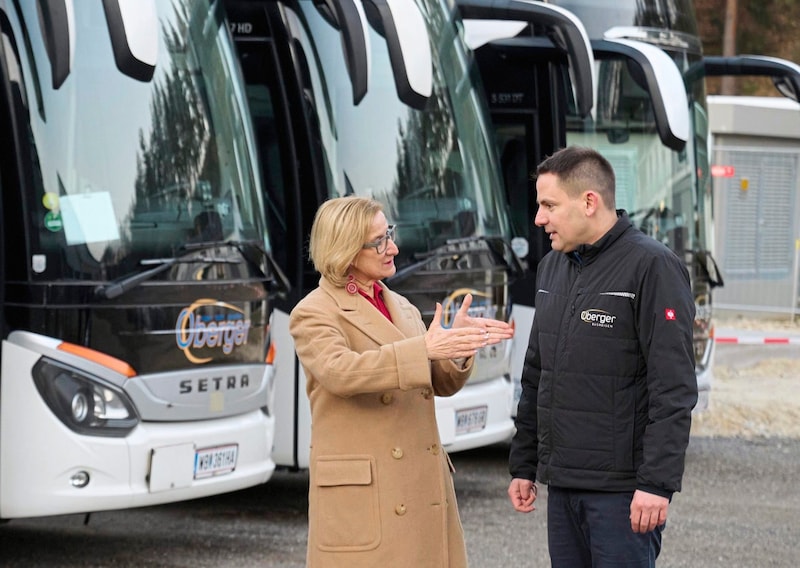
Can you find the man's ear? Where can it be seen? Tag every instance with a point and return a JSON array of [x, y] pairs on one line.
[[591, 202]]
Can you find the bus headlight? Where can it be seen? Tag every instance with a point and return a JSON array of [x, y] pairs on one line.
[[84, 403], [80, 406]]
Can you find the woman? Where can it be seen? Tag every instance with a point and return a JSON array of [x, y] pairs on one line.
[[381, 489]]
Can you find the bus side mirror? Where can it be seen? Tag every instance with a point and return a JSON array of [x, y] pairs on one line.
[[55, 18], [133, 26], [618, 135], [403, 27], [344, 16], [563, 28], [658, 74], [787, 88]]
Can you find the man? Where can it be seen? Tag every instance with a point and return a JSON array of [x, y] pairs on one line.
[[608, 384]]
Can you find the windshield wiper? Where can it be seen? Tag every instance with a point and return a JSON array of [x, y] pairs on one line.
[[466, 245], [112, 290], [278, 281]]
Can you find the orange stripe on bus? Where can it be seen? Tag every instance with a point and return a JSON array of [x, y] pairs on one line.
[[116, 365]]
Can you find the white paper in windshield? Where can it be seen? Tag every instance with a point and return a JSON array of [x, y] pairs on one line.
[[88, 218]]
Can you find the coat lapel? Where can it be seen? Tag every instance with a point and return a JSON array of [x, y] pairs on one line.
[[369, 320], [405, 317]]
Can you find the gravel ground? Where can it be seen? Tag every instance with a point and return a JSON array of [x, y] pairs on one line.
[[756, 389], [739, 504], [758, 324]]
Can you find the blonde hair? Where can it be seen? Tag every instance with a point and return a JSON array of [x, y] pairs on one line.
[[341, 227]]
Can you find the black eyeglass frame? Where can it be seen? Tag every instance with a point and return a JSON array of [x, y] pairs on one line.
[[381, 245]]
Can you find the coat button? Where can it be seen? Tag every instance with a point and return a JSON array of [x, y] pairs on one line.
[[387, 397], [434, 449], [400, 510], [397, 453], [427, 393]]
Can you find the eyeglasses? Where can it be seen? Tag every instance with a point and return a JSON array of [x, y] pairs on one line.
[[380, 245]]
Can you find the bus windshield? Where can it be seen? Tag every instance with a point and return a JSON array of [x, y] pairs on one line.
[[665, 192], [655, 184], [111, 190], [433, 170]]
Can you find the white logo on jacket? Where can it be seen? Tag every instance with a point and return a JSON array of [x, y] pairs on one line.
[[598, 318]]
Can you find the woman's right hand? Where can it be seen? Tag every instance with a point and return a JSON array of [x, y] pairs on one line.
[[443, 343]]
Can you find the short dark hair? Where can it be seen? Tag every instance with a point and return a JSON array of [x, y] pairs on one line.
[[580, 169]]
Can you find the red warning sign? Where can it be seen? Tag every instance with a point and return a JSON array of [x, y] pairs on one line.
[[723, 171]]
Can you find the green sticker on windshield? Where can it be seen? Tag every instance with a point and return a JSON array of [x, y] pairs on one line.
[[53, 222]]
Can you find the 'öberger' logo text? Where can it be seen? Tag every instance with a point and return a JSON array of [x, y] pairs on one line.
[[210, 324], [598, 318]]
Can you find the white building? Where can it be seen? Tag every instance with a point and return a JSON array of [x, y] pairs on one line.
[[755, 157]]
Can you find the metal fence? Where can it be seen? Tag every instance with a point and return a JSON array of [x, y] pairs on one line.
[[757, 229]]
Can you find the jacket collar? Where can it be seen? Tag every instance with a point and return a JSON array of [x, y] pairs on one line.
[[368, 319], [585, 254]]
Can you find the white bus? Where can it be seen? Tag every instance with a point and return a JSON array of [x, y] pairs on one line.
[[381, 98], [134, 267], [647, 116]]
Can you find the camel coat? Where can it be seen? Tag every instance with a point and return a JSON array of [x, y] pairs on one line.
[[381, 488]]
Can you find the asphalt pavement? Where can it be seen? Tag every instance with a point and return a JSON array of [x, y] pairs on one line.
[[738, 509]]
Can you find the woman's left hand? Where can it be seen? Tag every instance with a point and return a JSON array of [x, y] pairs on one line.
[[496, 330]]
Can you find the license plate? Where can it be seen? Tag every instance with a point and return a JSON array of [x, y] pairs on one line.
[[471, 420], [215, 461]]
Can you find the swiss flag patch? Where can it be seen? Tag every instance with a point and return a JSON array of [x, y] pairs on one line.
[[669, 314]]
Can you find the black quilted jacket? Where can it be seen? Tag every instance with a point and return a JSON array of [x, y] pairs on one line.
[[609, 382]]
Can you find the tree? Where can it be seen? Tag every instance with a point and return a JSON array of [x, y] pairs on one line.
[[761, 27], [729, 44]]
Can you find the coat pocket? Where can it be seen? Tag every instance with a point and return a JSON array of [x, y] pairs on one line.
[[348, 518]]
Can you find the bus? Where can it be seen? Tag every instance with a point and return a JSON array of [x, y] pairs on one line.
[[379, 98], [648, 117], [135, 271]]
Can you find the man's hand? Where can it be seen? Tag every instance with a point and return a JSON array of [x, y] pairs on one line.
[[522, 493], [648, 511]]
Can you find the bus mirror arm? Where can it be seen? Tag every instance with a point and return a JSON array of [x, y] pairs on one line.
[[709, 267], [133, 41], [564, 29], [785, 74], [344, 16], [54, 20], [406, 37], [279, 283]]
